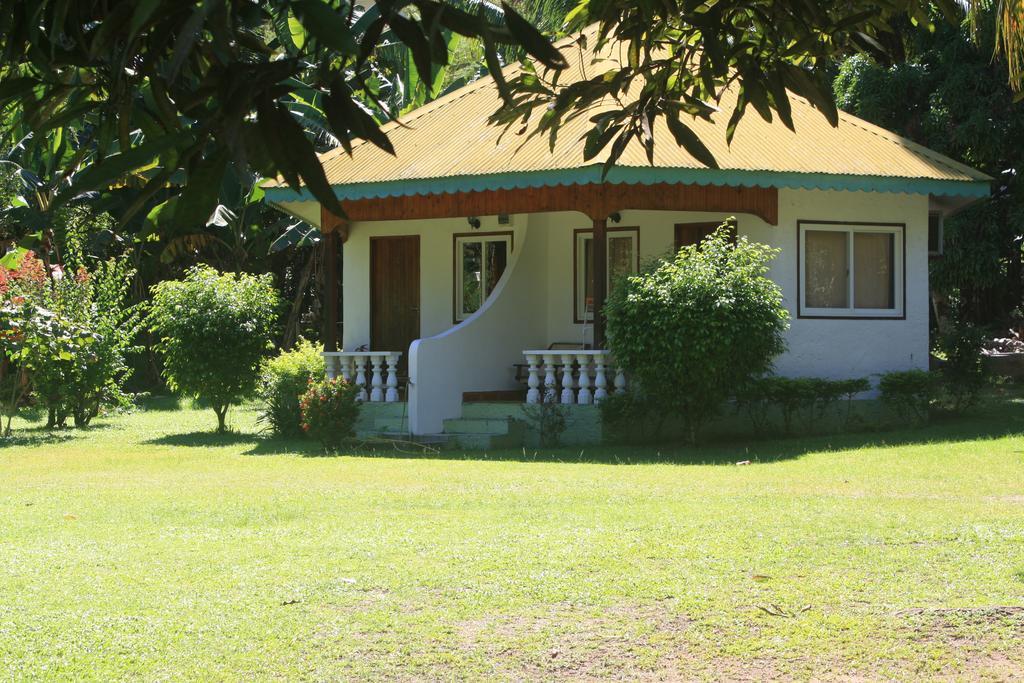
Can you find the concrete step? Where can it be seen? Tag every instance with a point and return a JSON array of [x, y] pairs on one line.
[[381, 410], [491, 411], [512, 437], [391, 424]]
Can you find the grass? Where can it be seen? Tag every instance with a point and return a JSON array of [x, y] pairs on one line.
[[149, 548]]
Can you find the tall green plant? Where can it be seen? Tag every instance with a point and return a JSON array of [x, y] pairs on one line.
[[694, 329], [214, 330]]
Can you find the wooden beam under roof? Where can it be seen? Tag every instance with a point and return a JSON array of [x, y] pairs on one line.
[[598, 201]]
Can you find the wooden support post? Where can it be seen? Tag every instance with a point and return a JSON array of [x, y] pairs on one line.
[[600, 278], [330, 304]]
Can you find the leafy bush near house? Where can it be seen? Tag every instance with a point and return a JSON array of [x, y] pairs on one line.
[[910, 392], [214, 330], [283, 380], [807, 401], [692, 329], [330, 410], [964, 372], [547, 418], [631, 416]]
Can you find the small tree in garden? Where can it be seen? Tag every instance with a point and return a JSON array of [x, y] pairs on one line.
[[95, 300], [34, 341], [73, 332], [214, 329], [694, 329]]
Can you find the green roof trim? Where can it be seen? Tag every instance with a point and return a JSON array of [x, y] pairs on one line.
[[642, 176]]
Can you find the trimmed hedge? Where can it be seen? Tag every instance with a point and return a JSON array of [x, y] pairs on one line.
[[806, 402]]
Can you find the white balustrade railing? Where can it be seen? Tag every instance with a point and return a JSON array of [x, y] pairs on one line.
[[584, 376], [353, 366]]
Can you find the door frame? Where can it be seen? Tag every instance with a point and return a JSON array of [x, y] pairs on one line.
[[419, 289]]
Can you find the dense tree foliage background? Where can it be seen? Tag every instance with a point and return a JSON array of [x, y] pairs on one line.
[[952, 96], [141, 129], [61, 126]]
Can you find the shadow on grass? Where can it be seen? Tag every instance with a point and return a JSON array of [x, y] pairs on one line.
[[997, 420], [260, 444], [1003, 420], [40, 435], [204, 439], [279, 445], [37, 436]]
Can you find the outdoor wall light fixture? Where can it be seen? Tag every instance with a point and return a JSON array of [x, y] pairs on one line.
[[474, 222], [615, 217]]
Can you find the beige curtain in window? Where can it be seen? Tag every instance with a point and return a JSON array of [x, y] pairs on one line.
[[874, 281], [825, 280]]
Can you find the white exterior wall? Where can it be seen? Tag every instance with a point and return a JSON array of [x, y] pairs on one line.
[[536, 295], [852, 348], [437, 239]]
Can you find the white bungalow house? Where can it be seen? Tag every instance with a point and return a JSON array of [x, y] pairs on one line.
[[473, 259]]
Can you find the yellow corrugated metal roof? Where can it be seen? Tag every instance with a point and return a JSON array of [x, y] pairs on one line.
[[450, 138]]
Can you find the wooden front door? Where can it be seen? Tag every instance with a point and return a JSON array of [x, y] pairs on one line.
[[394, 294]]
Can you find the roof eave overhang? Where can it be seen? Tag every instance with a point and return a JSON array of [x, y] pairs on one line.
[[964, 189]]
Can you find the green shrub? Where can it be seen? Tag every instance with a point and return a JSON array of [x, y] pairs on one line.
[[96, 301], [631, 417], [548, 418], [283, 380], [964, 372], [692, 330], [805, 400], [910, 392], [35, 345], [330, 410], [94, 304], [214, 330]]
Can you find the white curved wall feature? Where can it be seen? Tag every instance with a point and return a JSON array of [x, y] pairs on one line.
[[480, 353]]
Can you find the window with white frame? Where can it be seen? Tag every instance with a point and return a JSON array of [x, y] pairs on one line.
[[851, 270], [480, 261], [623, 259]]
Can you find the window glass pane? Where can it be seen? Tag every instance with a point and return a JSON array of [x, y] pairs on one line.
[[497, 258], [620, 258], [825, 263], [471, 266], [874, 277]]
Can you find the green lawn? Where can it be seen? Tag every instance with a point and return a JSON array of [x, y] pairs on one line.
[[145, 548]]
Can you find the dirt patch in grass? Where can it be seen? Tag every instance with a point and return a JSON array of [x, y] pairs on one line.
[[655, 642], [620, 642], [981, 643]]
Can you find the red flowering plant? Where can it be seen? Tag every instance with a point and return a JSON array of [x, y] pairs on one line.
[[26, 282], [329, 411], [65, 337]]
